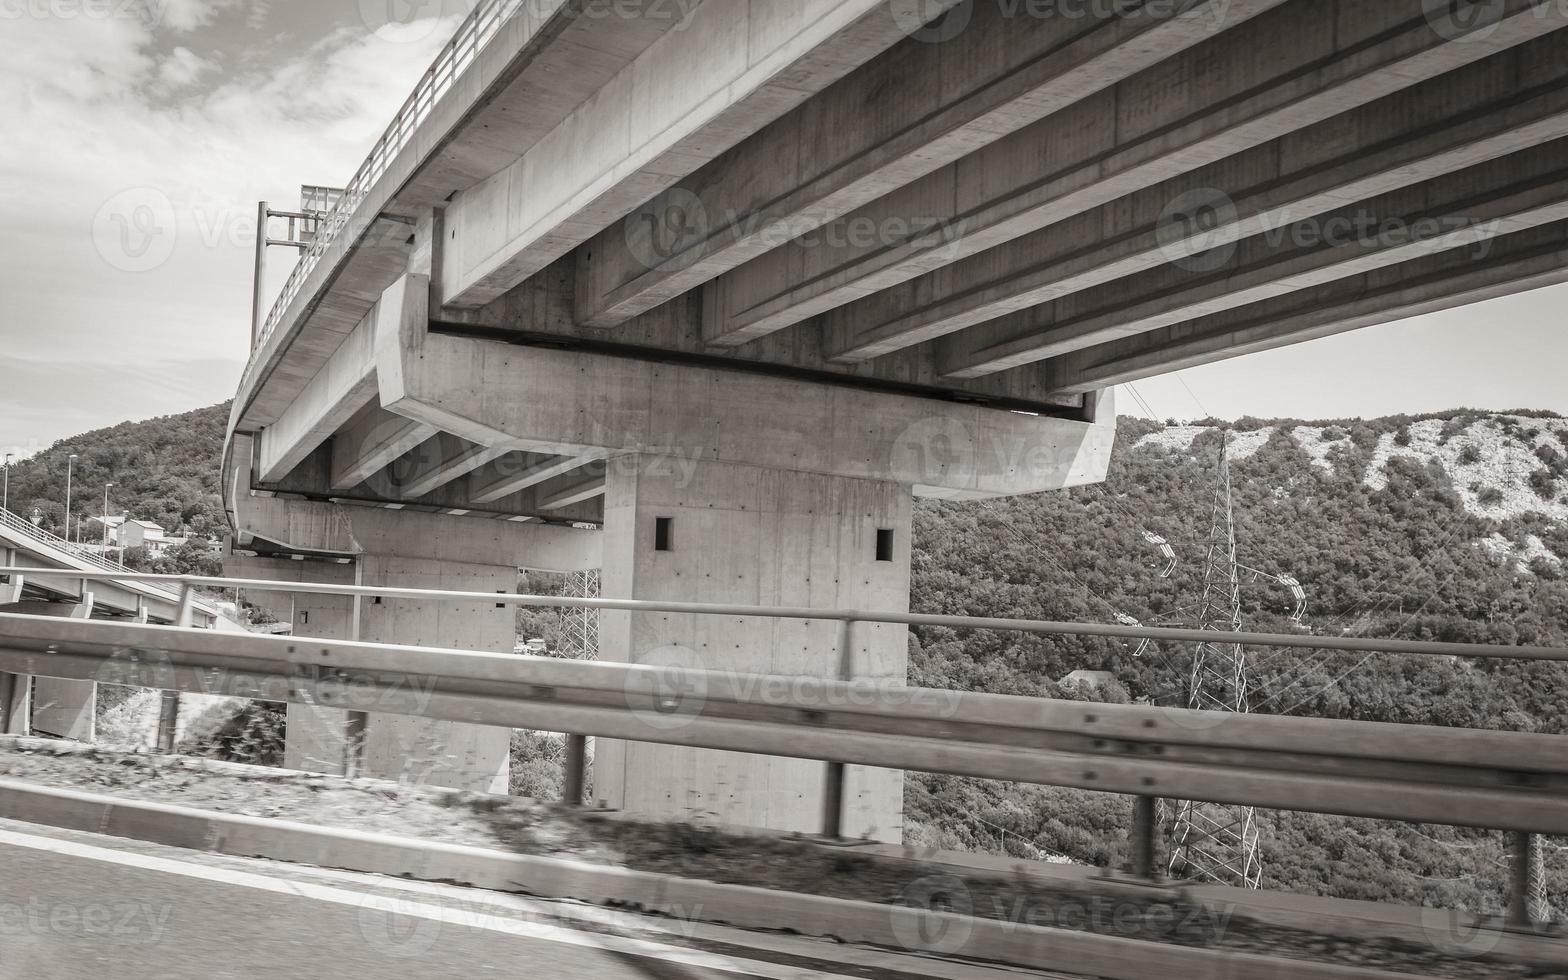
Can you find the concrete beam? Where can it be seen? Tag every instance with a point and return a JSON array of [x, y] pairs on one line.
[[1330, 165], [730, 68], [1274, 74], [370, 442], [558, 401], [336, 529], [574, 493], [917, 107], [343, 387], [440, 460], [519, 471], [1525, 260], [1457, 211]]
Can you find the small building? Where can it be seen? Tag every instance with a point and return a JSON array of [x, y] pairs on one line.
[[1091, 679]]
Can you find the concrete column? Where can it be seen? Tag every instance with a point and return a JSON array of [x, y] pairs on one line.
[[64, 708], [442, 753], [746, 534], [473, 757], [15, 689]]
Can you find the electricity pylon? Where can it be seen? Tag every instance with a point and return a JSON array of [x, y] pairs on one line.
[[1214, 841]]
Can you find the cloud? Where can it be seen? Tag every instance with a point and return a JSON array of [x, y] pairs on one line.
[[135, 152]]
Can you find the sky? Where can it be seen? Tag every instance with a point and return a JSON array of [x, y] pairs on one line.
[[139, 135]]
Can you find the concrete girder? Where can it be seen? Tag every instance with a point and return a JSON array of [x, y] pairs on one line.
[[573, 493], [1453, 211], [1274, 74], [915, 108], [1524, 260], [344, 530], [520, 471], [731, 68], [370, 442], [440, 460], [1231, 200], [344, 386], [574, 402]]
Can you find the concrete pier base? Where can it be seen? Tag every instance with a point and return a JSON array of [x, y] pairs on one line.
[[696, 531]]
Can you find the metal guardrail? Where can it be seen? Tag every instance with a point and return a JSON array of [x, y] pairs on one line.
[[1510, 781], [478, 27]]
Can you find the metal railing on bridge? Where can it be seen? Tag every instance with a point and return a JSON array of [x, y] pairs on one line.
[[477, 28], [1515, 782]]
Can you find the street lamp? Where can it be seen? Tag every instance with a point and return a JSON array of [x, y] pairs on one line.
[[106, 487], [69, 462], [5, 496]]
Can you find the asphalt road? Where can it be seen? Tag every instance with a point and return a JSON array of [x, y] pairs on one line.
[[83, 907], [74, 912]]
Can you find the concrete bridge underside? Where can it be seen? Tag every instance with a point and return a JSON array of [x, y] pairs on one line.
[[707, 300]]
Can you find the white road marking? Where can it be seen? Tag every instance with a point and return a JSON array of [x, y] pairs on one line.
[[465, 918]]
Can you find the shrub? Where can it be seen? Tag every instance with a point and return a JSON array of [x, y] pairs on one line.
[[1487, 496], [1544, 485], [1469, 455]]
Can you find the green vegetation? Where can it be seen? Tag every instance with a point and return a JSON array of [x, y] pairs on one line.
[[164, 470], [1399, 561]]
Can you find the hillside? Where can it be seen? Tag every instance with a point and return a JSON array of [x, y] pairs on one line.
[[1449, 526], [163, 470]]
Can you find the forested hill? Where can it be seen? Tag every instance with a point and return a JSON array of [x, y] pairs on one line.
[[1451, 527], [164, 470]]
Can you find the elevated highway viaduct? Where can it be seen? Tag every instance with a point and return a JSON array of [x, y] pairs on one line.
[[47, 704], [705, 294]]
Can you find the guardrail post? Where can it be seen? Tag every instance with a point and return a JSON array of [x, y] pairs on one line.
[[15, 689], [169, 703], [576, 765], [1142, 839], [1525, 868], [833, 777]]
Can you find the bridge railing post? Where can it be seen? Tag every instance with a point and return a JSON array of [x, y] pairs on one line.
[[1526, 887], [1144, 820], [834, 775], [576, 767]]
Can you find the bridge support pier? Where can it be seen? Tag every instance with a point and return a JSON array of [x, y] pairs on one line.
[[686, 530], [62, 708], [401, 550]]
